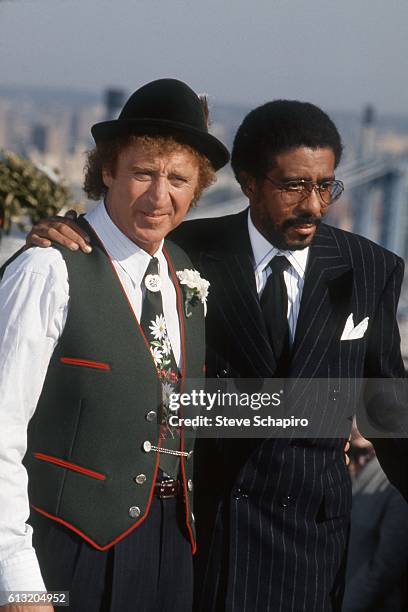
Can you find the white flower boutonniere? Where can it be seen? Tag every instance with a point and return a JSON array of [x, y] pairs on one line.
[[195, 288]]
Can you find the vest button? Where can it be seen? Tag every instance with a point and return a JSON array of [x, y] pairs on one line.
[[147, 447], [190, 484], [140, 479], [151, 415], [134, 511]]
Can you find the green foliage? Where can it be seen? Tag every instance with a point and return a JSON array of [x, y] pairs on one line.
[[27, 194]]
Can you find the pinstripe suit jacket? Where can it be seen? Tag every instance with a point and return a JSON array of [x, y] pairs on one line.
[[273, 515]]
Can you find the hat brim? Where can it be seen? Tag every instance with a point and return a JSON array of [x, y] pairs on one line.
[[202, 141]]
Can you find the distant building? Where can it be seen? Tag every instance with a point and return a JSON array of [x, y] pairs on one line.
[[39, 137], [114, 101], [367, 133], [4, 125]]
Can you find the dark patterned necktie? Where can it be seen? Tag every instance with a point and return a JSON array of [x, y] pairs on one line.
[[153, 323], [274, 306]]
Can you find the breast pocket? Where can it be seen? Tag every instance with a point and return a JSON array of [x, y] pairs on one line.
[[348, 360]]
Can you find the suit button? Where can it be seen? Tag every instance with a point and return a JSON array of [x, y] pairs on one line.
[[240, 494], [286, 501], [147, 446], [150, 416], [190, 484], [222, 374], [140, 479], [334, 394], [134, 511]]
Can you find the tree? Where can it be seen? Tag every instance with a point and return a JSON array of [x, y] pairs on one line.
[[28, 193]]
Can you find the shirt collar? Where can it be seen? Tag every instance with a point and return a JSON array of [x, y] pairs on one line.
[[129, 256], [264, 251]]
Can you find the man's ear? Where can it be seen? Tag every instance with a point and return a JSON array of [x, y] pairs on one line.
[[107, 177], [248, 184]]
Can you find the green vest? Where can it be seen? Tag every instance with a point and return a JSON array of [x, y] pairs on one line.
[[86, 457]]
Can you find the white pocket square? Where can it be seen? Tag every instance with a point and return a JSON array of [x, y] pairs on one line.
[[353, 333]]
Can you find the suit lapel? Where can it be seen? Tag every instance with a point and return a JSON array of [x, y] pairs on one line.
[[324, 304], [235, 302]]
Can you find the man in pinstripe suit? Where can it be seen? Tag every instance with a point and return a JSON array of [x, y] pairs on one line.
[[274, 525], [273, 515]]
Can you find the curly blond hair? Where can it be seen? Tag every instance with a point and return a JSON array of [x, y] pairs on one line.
[[105, 155]]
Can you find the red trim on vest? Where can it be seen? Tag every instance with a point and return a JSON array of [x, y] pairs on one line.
[[183, 376], [121, 536], [183, 474], [69, 466], [85, 363], [182, 337]]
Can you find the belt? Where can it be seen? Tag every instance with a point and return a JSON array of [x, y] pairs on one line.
[[167, 488]]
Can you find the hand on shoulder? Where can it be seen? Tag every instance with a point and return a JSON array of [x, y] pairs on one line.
[[62, 230]]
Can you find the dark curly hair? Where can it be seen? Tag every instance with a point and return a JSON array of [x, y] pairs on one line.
[[279, 126], [106, 153]]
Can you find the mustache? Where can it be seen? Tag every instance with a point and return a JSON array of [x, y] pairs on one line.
[[302, 220]]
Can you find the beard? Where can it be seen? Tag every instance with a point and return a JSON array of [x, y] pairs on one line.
[[278, 235]]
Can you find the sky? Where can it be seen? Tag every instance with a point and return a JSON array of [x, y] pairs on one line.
[[340, 54]]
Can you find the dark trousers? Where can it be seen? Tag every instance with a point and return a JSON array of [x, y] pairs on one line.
[[150, 570]]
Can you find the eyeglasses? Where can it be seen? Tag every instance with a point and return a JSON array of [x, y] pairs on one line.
[[298, 190]]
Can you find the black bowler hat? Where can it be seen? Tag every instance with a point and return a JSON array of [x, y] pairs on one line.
[[166, 107]]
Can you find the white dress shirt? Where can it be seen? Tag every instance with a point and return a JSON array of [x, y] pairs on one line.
[[294, 276], [34, 298]]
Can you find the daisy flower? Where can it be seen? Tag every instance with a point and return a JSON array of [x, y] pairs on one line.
[[158, 327], [157, 354], [166, 346]]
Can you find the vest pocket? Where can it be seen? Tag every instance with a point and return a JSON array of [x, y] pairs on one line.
[[85, 363], [69, 466]]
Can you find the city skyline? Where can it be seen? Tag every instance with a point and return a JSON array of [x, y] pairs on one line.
[[340, 56]]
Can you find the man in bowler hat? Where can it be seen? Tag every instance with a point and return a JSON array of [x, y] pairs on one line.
[[294, 298], [91, 346]]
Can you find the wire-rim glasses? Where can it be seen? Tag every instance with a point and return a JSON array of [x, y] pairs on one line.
[[296, 191]]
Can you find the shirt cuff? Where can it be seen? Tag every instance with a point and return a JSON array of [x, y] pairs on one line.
[[21, 572]]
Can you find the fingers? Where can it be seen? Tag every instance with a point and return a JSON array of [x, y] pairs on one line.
[[35, 240], [61, 230], [71, 237]]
